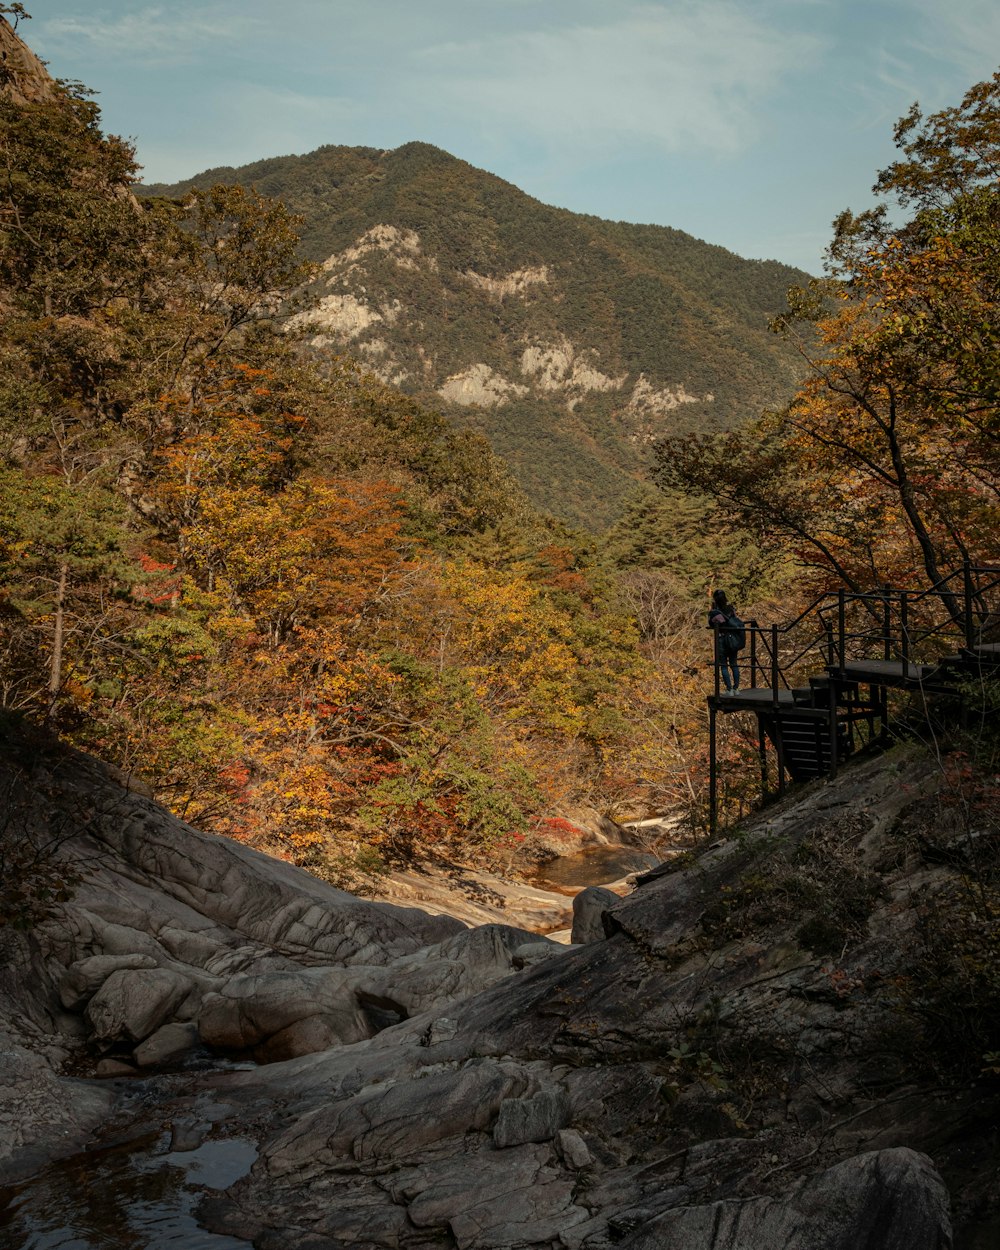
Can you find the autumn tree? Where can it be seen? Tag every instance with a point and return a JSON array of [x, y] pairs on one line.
[[309, 612], [885, 466]]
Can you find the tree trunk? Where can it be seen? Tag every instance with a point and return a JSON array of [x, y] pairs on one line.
[[56, 663]]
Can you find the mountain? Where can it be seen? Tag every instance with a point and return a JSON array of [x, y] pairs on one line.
[[571, 342]]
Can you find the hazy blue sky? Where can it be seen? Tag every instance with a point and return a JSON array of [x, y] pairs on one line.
[[749, 123]]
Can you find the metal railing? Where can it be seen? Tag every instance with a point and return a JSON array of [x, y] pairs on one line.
[[908, 627]]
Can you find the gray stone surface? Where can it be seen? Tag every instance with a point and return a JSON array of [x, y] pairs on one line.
[[573, 1150], [534, 1119], [133, 1003], [568, 1103], [250, 1009], [532, 953], [115, 1067], [41, 1112], [589, 907], [85, 977], [398, 1119], [884, 1200], [168, 1044]]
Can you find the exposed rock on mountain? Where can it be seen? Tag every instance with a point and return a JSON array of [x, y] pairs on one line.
[[23, 77], [723, 1070], [571, 342]]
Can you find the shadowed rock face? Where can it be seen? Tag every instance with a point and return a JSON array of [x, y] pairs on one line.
[[680, 1083], [885, 1200]]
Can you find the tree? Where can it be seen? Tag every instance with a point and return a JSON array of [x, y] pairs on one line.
[[65, 563], [17, 12], [885, 466]]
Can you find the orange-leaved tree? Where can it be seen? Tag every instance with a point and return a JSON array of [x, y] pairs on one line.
[[885, 467]]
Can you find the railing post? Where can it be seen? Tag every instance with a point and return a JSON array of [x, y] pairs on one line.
[[841, 628], [886, 624], [774, 664], [829, 647], [970, 624], [753, 655], [713, 779], [904, 630]]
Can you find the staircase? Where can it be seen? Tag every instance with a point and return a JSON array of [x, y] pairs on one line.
[[818, 684]]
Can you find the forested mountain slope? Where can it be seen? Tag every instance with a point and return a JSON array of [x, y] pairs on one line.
[[305, 609], [571, 342]]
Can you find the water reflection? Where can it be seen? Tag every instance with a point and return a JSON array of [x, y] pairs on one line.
[[595, 866], [133, 1197]]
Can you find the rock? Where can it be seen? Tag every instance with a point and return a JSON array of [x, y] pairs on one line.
[[85, 977], [478, 898], [440, 1030], [114, 1067], [306, 1037], [534, 952], [398, 1120], [133, 1003], [589, 907], [169, 1043], [187, 1134], [885, 1200], [569, 1104], [432, 978], [41, 1114], [581, 827], [492, 1201], [573, 1150], [535, 1119], [25, 78], [249, 1010], [156, 887]]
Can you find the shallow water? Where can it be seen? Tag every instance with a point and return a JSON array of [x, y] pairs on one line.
[[595, 866], [137, 1196]]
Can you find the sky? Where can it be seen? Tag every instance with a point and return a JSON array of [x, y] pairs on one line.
[[747, 123]]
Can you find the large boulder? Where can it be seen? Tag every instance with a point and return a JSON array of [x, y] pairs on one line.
[[170, 1043], [85, 977], [249, 1010], [133, 1003], [589, 907]]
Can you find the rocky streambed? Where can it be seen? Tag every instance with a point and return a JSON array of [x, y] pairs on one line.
[[706, 1070], [140, 1180]]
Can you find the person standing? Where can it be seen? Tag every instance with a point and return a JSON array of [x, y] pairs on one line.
[[730, 638]]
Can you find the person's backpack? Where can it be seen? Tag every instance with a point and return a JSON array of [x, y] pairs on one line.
[[734, 634]]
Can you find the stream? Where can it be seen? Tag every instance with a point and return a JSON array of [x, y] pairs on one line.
[[139, 1186], [594, 866]]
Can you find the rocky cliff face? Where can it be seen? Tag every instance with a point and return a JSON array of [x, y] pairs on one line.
[[23, 77], [736, 1062]]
